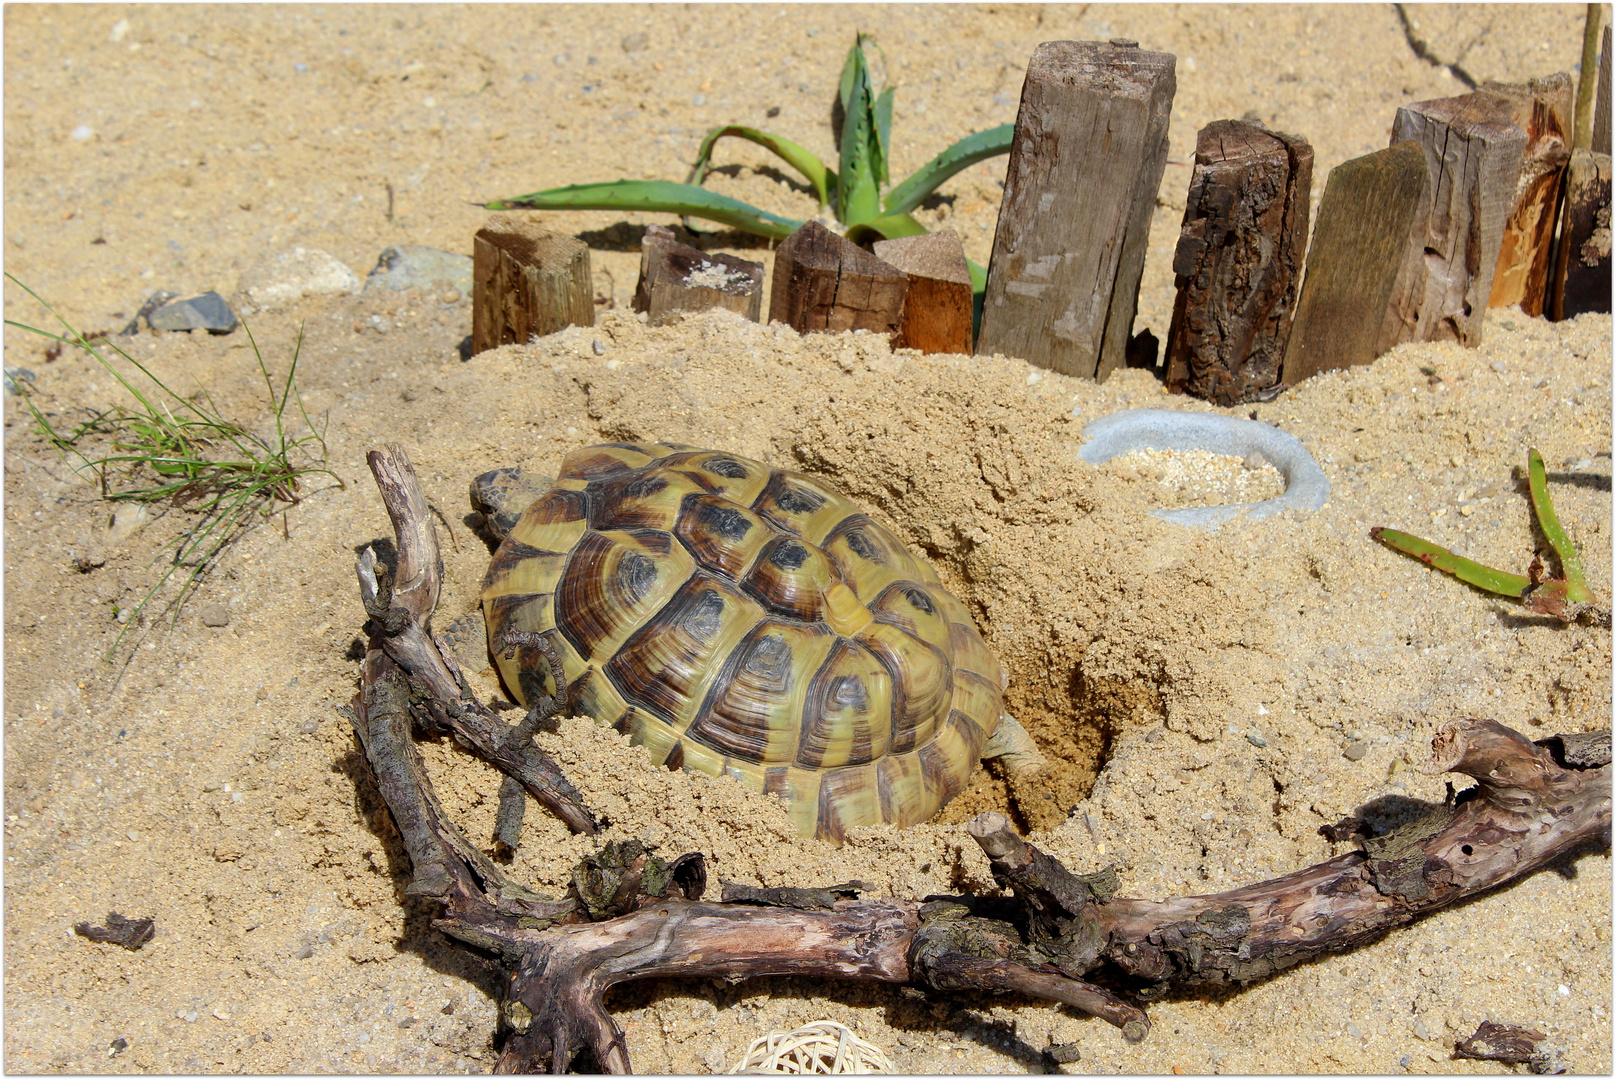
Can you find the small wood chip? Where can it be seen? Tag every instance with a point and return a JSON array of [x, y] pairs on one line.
[[130, 933]]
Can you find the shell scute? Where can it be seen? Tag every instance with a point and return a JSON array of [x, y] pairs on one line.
[[724, 538], [848, 720], [613, 583]]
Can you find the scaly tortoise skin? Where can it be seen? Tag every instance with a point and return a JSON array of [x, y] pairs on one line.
[[746, 621]]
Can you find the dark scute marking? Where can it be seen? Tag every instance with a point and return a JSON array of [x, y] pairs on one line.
[[770, 659], [789, 555], [727, 467], [625, 722], [676, 757], [726, 521], [644, 487], [705, 616], [848, 692], [655, 541], [919, 599], [863, 548], [797, 501], [636, 575], [510, 553]]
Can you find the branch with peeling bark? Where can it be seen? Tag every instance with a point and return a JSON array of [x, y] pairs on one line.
[[1058, 936]]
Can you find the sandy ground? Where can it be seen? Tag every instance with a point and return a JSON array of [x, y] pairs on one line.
[[1240, 689]]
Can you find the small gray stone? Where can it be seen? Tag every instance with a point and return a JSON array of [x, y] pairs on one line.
[[215, 615], [1356, 751], [415, 266], [15, 377], [300, 272], [205, 312], [1256, 739], [151, 304], [599, 347], [633, 43]]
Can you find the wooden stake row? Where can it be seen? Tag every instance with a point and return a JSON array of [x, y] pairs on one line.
[[1463, 211]]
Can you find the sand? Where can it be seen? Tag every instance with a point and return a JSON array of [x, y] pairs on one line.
[[1207, 700]]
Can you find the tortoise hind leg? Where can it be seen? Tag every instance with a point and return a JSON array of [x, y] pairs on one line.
[[1014, 748]]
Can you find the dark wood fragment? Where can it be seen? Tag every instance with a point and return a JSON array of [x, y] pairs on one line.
[[119, 930], [1359, 262], [1542, 109], [937, 310], [676, 278], [526, 282], [824, 898], [1600, 141], [1474, 151], [826, 282], [1586, 750], [1085, 164], [1239, 261], [1501, 1042], [1583, 270]]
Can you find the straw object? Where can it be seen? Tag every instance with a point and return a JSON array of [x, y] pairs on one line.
[[822, 1047]]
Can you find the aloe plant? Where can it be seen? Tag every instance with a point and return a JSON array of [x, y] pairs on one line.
[[852, 191], [1567, 598]]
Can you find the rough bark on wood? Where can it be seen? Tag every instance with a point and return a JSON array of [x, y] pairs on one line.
[[1358, 262], [1085, 164], [1474, 151], [677, 278], [937, 310], [825, 282], [1600, 142], [526, 282], [1582, 274], [1542, 109], [1056, 930], [1239, 261]]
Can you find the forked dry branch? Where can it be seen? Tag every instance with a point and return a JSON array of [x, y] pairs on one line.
[[629, 915]]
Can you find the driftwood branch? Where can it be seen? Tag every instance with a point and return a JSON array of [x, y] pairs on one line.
[[1059, 936]]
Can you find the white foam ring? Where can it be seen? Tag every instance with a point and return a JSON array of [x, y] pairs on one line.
[[1169, 429]]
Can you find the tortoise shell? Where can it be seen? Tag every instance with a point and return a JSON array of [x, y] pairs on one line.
[[746, 621]]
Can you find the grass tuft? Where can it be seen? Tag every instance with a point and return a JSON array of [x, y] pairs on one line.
[[179, 451]]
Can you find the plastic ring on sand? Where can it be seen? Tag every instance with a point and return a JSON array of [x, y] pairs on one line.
[[1169, 429]]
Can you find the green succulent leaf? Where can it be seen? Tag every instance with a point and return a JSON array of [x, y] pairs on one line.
[[1576, 586], [1467, 571], [962, 155], [859, 193], [883, 134], [655, 196], [812, 169]]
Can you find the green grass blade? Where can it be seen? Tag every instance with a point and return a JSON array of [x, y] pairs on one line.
[[1576, 590], [858, 193], [812, 169], [655, 196], [962, 155], [1471, 573]]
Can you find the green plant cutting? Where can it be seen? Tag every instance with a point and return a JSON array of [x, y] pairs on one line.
[[853, 191], [1567, 597], [183, 452]]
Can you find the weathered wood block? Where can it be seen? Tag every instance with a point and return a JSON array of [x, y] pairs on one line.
[[1542, 109], [676, 278], [1474, 151], [526, 282], [1602, 103], [937, 310], [825, 282], [1359, 262], [1583, 273], [1085, 164], [1239, 261]]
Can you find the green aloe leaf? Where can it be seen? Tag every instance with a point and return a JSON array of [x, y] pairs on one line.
[[962, 155], [812, 169], [1467, 571], [883, 134], [859, 194], [885, 227], [655, 196], [1576, 586]]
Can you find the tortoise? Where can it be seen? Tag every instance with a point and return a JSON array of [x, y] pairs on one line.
[[740, 620]]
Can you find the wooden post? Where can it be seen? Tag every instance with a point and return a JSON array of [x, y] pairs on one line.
[[1239, 261], [1474, 152], [1085, 164], [676, 278], [937, 311], [1541, 108], [526, 282], [1583, 274], [825, 282], [1602, 104], [1360, 260]]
